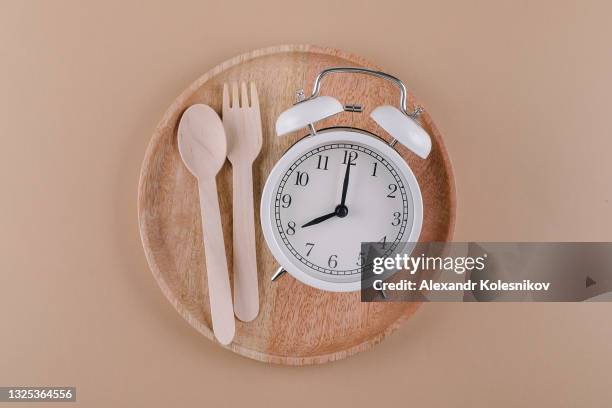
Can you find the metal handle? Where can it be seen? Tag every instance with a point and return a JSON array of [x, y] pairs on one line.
[[354, 70]]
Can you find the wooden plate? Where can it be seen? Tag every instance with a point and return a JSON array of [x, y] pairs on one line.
[[297, 324]]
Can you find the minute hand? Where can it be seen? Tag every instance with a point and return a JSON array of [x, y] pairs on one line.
[[346, 182]]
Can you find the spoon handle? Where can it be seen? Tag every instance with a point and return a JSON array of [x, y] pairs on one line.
[[246, 288], [219, 291]]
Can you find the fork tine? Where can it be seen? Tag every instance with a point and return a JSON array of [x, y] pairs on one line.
[[244, 96], [226, 97], [255, 112], [254, 97], [235, 96]]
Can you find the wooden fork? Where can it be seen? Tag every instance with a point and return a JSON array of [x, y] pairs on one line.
[[242, 123]]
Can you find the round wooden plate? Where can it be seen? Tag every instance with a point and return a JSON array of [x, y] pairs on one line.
[[297, 324]]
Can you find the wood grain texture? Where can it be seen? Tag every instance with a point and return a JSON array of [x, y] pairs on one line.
[[297, 324]]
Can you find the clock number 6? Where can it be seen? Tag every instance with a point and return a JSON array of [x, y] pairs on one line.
[[332, 262]]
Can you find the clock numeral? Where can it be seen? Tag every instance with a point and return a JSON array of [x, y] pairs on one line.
[[383, 242], [322, 163], [360, 259], [301, 178], [290, 228], [375, 167], [332, 262], [309, 245], [286, 199], [392, 189], [396, 219], [351, 157]]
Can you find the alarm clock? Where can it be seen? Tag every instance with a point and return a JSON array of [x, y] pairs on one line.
[[340, 186]]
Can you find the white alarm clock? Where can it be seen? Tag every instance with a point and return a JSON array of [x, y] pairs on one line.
[[341, 186]]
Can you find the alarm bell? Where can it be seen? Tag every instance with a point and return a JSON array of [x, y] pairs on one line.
[[403, 128], [306, 112], [401, 125]]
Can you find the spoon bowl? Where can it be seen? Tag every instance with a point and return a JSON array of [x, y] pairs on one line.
[[201, 140]]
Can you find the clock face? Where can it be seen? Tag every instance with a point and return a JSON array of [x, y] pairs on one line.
[[330, 195]]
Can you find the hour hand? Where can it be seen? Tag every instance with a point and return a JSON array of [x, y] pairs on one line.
[[320, 219]]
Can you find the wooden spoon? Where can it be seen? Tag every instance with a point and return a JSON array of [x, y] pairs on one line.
[[202, 145]]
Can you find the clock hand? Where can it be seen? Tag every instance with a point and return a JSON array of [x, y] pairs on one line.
[[340, 211], [346, 182], [319, 219]]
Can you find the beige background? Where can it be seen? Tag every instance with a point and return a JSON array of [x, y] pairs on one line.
[[520, 90]]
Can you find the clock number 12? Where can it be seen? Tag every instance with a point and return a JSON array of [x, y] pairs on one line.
[[350, 157]]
